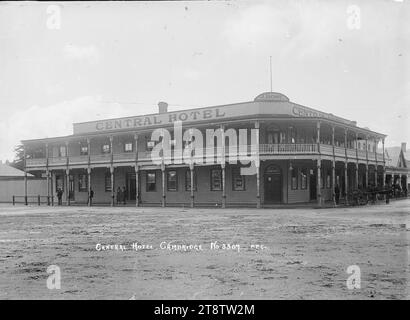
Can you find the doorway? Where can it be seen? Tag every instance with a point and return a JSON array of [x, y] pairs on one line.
[[131, 186], [273, 184]]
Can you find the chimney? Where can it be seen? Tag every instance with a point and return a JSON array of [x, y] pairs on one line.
[[403, 147], [162, 107]]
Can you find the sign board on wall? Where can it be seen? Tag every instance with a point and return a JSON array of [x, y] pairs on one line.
[[240, 110]]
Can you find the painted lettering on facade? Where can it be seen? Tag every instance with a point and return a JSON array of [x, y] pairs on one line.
[[152, 120], [308, 113]]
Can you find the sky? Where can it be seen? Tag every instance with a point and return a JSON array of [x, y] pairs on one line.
[[65, 62]]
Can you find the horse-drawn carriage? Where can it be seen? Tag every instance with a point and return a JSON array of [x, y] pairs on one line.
[[361, 197]]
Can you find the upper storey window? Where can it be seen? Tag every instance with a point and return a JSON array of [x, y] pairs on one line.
[[84, 150], [62, 151], [274, 135], [128, 147], [292, 135]]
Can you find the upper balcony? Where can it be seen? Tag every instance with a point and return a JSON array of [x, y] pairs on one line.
[[264, 150]]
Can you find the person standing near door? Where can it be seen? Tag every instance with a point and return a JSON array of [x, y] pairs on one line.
[[91, 196]]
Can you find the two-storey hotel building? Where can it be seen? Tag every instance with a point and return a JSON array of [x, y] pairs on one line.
[[301, 155]]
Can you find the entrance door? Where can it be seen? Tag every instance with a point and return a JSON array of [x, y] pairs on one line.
[[312, 184], [131, 186], [273, 185]]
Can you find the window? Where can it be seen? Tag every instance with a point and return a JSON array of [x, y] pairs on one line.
[[238, 181], [84, 150], [172, 180], [151, 181], [82, 182], [282, 137], [273, 137], [128, 147], [188, 180], [292, 135], [150, 145], [303, 179], [294, 180], [59, 183], [62, 151], [216, 180], [107, 182], [106, 148]]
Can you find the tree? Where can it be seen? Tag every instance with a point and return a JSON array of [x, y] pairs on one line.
[[18, 161]]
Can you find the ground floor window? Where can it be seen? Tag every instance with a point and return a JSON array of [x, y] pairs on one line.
[[238, 181], [82, 182], [294, 180], [325, 179], [188, 180], [107, 182], [59, 183], [328, 176], [151, 181], [172, 180], [216, 180]]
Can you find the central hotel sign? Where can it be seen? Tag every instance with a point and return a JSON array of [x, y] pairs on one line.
[[158, 119], [204, 115]]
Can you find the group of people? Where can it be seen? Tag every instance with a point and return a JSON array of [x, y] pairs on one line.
[[121, 195], [60, 196]]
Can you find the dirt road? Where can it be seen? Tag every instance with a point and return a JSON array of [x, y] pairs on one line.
[[268, 253]]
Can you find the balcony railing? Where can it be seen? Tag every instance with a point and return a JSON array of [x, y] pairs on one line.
[[105, 157], [78, 159], [361, 154], [340, 151], [57, 160], [264, 149], [124, 157], [351, 153], [36, 162], [326, 149]]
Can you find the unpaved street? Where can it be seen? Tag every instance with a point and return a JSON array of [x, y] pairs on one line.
[[276, 253]]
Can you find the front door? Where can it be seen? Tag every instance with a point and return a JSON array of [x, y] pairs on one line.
[[273, 185], [131, 186]]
